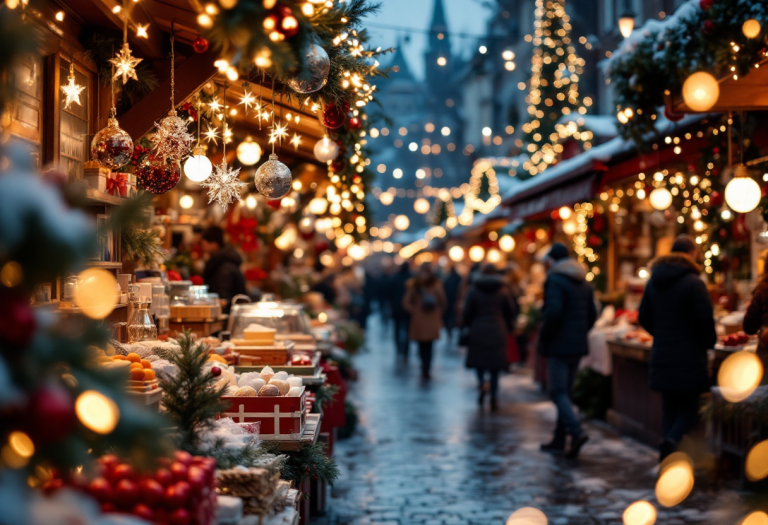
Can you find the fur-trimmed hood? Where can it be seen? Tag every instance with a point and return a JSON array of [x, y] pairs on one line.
[[668, 269], [570, 268]]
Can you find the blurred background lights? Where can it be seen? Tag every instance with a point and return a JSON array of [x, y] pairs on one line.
[[755, 518], [676, 480], [756, 466], [97, 412], [476, 253], [456, 253], [739, 376], [527, 516], [507, 243], [639, 513], [96, 293], [11, 274]]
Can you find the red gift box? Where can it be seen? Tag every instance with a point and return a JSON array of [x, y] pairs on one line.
[[280, 417]]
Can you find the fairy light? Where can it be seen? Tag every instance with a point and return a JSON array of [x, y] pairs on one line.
[[483, 178]]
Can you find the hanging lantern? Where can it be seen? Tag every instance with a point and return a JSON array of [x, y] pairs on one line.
[[661, 199], [421, 206], [402, 222], [701, 91], [248, 152], [456, 253], [742, 193], [476, 253], [326, 150], [198, 168], [627, 23], [317, 206], [751, 28], [507, 243]]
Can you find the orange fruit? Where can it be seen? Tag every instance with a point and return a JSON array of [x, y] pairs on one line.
[[149, 374], [137, 374], [146, 364], [136, 366], [134, 358], [217, 358], [118, 357]]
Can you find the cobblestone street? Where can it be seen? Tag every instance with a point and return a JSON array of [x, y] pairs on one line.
[[425, 453]]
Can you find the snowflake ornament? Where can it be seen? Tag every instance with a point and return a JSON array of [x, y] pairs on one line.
[[125, 64], [223, 185]]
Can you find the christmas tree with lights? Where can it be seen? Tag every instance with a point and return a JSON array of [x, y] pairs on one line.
[[554, 87]]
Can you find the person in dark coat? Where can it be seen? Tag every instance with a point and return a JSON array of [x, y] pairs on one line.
[[756, 317], [489, 314], [452, 288], [425, 300], [222, 271], [568, 315], [677, 312], [400, 316]]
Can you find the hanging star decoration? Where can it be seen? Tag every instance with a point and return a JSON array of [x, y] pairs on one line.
[[141, 30], [224, 185], [211, 134], [214, 106], [248, 100], [296, 141], [72, 90], [278, 133], [125, 64]]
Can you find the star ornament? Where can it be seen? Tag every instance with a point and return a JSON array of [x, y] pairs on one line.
[[278, 133], [224, 185], [72, 91], [248, 100], [211, 134], [296, 141], [125, 64]]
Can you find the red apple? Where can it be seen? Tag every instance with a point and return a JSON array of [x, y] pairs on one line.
[[143, 511], [177, 494], [126, 493], [215, 371], [152, 492], [179, 517], [179, 471], [164, 477], [184, 457], [100, 489], [109, 460], [197, 477], [123, 471]]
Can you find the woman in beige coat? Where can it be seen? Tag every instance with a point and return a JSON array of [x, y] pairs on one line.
[[425, 300]]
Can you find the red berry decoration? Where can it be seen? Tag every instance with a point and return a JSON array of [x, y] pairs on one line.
[[152, 492], [334, 116], [52, 485], [183, 457], [143, 511], [157, 175], [51, 414], [179, 517], [355, 123], [108, 507], [164, 477], [197, 479], [215, 371], [177, 495], [17, 320], [126, 493], [100, 489], [708, 27], [123, 471], [179, 471], [200, 45]]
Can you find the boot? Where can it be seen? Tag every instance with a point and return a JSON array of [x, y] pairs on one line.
[[556, 445], [483, 391], [576, 443]]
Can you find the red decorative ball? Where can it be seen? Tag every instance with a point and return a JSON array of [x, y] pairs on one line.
[[706, 4], [337, 166], [197, 478], [123, 471], [334, 116], [152, 492], [143, 511], [179, 471], [108, 507], [196, 280], [164, 477], [126, 493], [355, 123], [179, 517], [183, 457], [51, 412], [715, 198], [215, 371], [52, 485], [157, 175], [17, 320], [177, 495], [672, 117], [289, 25], [200, 45], [274, 203], [708, 27]]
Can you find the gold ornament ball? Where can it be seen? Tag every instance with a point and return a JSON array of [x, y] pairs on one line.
[[701, 91], [273, 178]]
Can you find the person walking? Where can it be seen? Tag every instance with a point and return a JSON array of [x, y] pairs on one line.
[[222, 271], [400, 316], [489, 315], [452, 288], [425, 301], [568, 314], [677, 312], [756, 317]]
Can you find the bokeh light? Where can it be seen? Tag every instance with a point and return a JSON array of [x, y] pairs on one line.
[[639, 513], [756, 466], [11, 274], [96, 293], [676, 480], [755, 518], [527, 516], [97, 412], [739, 376]]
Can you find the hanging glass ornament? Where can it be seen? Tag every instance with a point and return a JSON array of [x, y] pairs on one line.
[[334, 116], [273, 178], [355, 123], [200, 45], [112, 147], [72, 89], [173, 139], [224, 185], [157, 175], [314, 76], [125, 64], [326, 150]]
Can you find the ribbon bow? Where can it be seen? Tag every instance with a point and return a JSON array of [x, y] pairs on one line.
[[117, 186]]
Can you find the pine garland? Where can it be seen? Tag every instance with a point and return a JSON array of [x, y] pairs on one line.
[[325, 394], [248, 456], [188, 398], [141, 245], [310, 462]]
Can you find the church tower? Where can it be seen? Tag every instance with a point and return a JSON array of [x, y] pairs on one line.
[[438, 59]]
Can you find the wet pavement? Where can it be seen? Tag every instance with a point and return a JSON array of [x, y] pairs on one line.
[[426, 454]]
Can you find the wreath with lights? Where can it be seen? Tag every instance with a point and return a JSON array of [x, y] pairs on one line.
[[483, 195]]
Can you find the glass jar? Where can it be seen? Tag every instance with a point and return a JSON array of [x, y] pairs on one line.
[[141, 327]]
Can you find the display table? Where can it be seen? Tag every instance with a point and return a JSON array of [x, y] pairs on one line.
[[636, 409], [201, 327], [309, 437]]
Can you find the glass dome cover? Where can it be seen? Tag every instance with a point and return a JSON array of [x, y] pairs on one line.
[[286, 318]]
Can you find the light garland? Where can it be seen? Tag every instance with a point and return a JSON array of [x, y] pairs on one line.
[[482, 171]]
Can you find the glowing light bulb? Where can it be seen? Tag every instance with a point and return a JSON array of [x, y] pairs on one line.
[[701, 91], [661, 199], [186, 202], [742, 193], [476, 253], [507, 243], [97, 412], [401, 222], [248, 152], [456, 253], [421, 206], [198, 168]]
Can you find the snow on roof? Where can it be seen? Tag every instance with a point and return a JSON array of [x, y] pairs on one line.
[[600, 125], [657, 27]]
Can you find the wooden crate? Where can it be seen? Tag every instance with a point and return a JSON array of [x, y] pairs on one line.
[[296, 338], [280, 417], [302, 370], [262, 356], [199, 312]]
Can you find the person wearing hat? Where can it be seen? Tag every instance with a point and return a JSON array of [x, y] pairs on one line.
[[676, 310], [567, 316]]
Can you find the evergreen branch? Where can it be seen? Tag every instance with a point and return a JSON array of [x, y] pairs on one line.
[[325, 394], [310, 462]]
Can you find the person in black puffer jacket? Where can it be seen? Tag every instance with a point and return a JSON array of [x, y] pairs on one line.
[[222, 271], [677, 312], [489, 314], [567, 316]]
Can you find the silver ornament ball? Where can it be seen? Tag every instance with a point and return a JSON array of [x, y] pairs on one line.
[[314, 76], [273, 178], [112, 147]]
